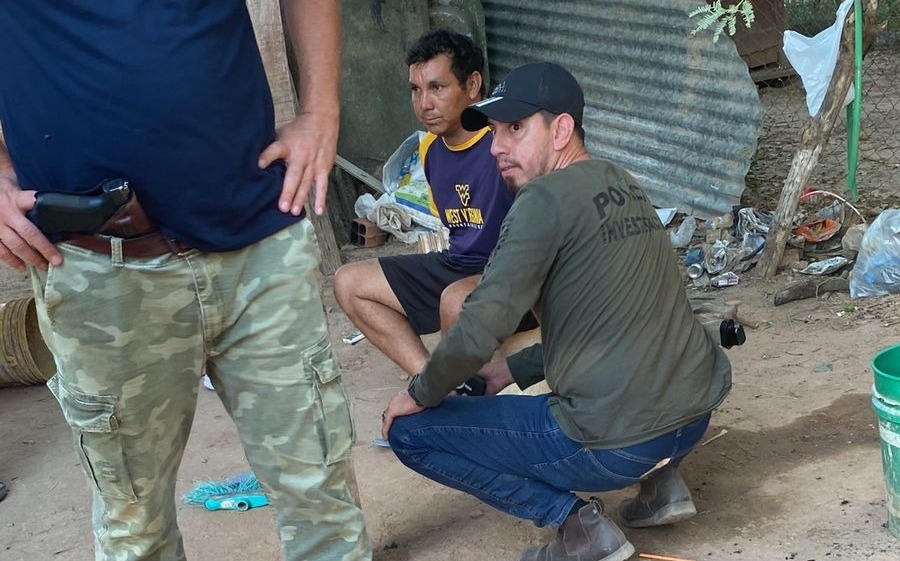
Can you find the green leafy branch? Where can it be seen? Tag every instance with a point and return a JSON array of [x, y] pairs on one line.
[[721, 18]]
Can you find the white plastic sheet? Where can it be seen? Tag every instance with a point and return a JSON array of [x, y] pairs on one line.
[[814, 58]]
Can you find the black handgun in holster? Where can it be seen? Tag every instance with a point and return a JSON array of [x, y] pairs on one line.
[[111, 209]]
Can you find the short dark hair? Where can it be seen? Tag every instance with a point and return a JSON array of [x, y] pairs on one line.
[[465, 57]]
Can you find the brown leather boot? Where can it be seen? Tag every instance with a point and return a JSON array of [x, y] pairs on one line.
[[587, 535], [664, 499]]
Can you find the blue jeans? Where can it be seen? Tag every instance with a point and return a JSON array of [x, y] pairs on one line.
[[509, 452]]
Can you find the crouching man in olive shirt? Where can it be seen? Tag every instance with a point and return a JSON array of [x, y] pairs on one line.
[[633, 375]]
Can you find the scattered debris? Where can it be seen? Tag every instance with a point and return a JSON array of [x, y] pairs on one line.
[[354, 338], [725, 279], [808, 288], [659, 465], [852, 240], [682, 236], [662, 557], [722, 433], [825, 267], [818, 229], [877, 269]]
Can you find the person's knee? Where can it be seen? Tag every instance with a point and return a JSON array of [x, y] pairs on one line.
[[401, 436], [346, 284], [453, 297], [450, 307], [397, 431]]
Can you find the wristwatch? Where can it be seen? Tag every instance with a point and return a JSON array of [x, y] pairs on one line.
[[411, 391]]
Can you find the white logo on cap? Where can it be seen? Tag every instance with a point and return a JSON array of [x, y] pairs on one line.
[[487, 101], [500, 89]]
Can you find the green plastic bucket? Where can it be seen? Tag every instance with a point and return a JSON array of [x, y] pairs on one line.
[[886, 365], [888, 411]]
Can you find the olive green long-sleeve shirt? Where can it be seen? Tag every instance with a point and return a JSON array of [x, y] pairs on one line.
[[622, 353]]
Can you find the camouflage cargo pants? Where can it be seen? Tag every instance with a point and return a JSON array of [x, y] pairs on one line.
[[131, 339]]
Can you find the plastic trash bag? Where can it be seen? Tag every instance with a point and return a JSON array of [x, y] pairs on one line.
[[814, 58], [404, 176], [752, 221], [825, 267], [877, 268], [682, 236], [364, 207], [403, 166], [404, 182], [393, 218], [716, 257], [388, 215]]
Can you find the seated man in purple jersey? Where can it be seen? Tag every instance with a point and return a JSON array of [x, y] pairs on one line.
[[394, 300]]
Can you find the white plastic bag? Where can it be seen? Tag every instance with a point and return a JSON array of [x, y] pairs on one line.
[[385, 213], [364, 207], [814, 58], [682, 236], [877, 268]]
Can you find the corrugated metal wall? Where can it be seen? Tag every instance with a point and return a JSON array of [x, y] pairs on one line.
[[677, 110]]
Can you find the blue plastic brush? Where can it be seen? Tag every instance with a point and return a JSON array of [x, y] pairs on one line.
[[238, 492]]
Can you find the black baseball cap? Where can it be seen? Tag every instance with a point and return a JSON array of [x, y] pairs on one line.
[[526, 90]]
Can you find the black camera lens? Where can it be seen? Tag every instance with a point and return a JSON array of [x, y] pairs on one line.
[[731, 334]]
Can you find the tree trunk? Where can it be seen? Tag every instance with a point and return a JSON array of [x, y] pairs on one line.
[[270, 34]]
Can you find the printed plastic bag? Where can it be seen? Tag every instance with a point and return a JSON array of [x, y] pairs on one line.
[[877, 268], [403, 165], [405, 184], [404, 176], [814, 58]]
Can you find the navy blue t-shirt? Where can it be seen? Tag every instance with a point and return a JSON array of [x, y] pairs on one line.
[[170, 95]]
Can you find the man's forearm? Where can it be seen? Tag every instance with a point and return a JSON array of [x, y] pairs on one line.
[[315, 30]]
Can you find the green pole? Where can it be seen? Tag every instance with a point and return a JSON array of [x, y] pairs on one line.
[[853, 110]]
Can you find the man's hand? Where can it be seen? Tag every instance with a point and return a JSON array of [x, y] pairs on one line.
[[401, 405], [21, 243], [496, 376], [307, 145]]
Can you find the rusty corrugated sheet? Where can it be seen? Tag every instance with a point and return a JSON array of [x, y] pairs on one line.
[[677, 110]]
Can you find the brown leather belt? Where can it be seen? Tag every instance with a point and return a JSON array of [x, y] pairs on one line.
[[149, 245]]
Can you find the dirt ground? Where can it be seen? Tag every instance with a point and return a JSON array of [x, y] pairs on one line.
[[796, 473]]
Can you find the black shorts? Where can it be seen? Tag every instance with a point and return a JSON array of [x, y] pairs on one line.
[[418, 280]]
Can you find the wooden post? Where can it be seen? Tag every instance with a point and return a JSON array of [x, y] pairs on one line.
[[813, 139], [270, 34]]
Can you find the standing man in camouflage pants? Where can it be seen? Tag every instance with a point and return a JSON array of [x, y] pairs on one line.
[[220, 272]]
